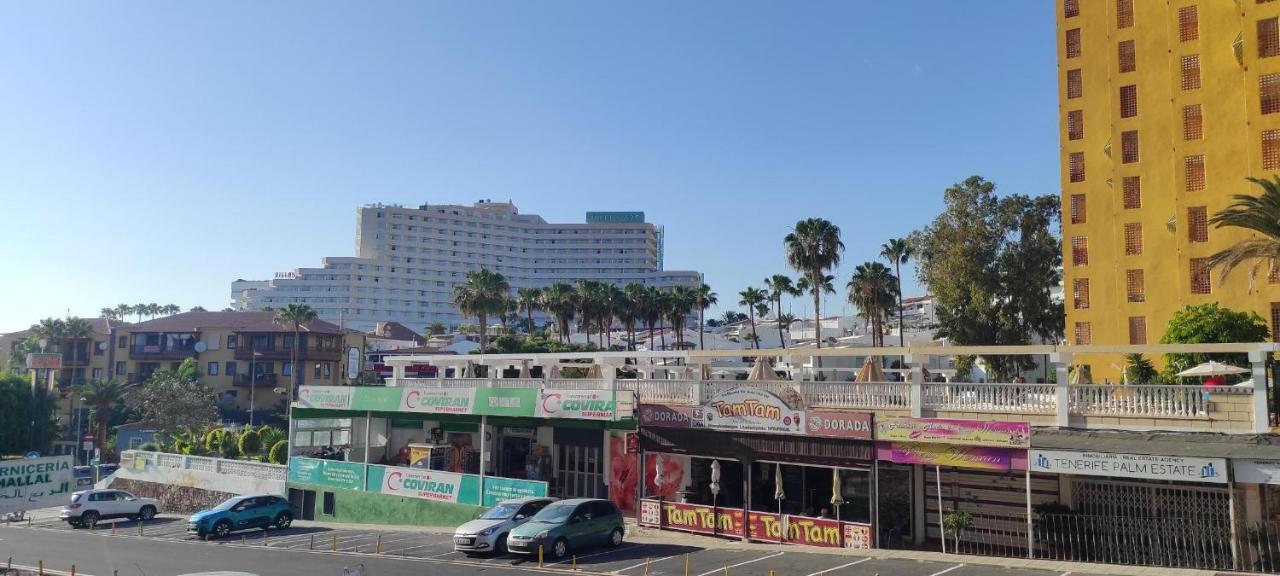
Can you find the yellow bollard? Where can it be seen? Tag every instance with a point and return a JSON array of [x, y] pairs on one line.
[[575, 562], [646, 566], [140, 528], [73, 570], [94, 527], [42, 568], [686, 564], [540, 557], [771, 573], [312, 544], [243, 539], [113, 528], [378, 549], [726, 571], [264, 537], [334, 546]]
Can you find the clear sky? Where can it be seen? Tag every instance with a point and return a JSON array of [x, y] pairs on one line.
[[156, 151]]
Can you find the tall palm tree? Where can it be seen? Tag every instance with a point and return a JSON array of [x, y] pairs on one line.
[[706, 299], [785, 321], [297, 316], [123, 310], [561, 300], [663, 304], [139, 309], [51, 330], [197, 308], [1258, 214], [872, 289], [171, 309], [108, 313], [102, 396], [825, 286], [751, 297], [683, 300], [897, 251], [780, 285], [154, 310], [529, 300], [485, 292], [813, 247]]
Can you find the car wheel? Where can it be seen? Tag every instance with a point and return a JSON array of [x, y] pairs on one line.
[[615, 537], [560, 549], [147, 513], [500, 544], [283, 520], [221, 529], [89, 519]]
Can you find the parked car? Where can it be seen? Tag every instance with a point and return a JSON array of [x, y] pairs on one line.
[[89, 506], [240, 513], [488, 533], [83, 476], [568, 525]]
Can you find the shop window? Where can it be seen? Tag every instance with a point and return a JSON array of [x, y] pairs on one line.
[[328, 505], [1135, 286], [1128, 101], [1198, 224], [1192, 123], [1133, 239], [1132, 191]]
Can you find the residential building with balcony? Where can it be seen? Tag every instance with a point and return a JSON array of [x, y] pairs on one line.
[[408, 261]]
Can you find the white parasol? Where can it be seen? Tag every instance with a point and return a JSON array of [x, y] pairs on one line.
[[1212, 368], [760, 370]]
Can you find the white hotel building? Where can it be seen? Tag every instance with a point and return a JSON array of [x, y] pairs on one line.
[[409, 260]]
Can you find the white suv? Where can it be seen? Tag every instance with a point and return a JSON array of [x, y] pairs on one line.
[[90, 506]]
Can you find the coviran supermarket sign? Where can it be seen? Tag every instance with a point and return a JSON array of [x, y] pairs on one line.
[[514, 402]]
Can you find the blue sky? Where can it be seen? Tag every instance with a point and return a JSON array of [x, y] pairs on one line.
[[155, 151]]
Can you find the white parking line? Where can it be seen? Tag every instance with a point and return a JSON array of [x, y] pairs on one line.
[[650, 562], [840, 566], [721, 569], [443, 555], [941, 572], [610, 551]]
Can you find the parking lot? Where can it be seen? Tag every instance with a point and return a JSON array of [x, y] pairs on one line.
[[633, 558]]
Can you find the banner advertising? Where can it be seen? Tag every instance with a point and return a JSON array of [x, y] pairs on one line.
[[1136, 466], [979, 457], [1257, 471], [499, 489], [693, 518], [425, 484], [825, 423], [506, 401], [663, 416], [745, 409], [945, 431], [578, 404], [328, 473], [35, 483], [857, 536], [759, 526], [438, 400], [325, 397], [855, 425]]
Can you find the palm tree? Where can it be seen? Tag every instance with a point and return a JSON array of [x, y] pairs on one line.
[[108, 313], [51, 330], [154, 310], [102, 396], [649, 307], [632, 309], [813, 247], [197, 308], [663, 304], [780, 285], [872, 289], [897, 251], [785, 321], [296, 315], [170, 309], [825, 286], [485, 292], [1258, 214], [561, 300], [706, 299], [436, 328], [139, 309], [683, 300], [122, 311], [751, 297], [529, 300]]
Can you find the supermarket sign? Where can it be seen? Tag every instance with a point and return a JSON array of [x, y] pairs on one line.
[[512, 402], [578, 404]]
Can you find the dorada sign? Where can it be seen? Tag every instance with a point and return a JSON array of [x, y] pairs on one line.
[[1139, 466]]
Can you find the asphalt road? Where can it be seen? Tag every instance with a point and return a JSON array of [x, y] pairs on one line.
[[164, 549]]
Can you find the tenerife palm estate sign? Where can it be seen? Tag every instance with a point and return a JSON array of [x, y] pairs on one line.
[[512, 402], [34, 483], [1137, 466], [946, 431], [747, 409]]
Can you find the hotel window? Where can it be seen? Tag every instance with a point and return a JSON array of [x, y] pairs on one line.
[[1075, 85], [232, 339], [1132, 187], [1124, 13], [1200, 280], [1070, 8], [286, 368], [1271, 149], [1075, 125], [1077, 208], [1073, 43], [1135, 285], [1137, 330], [1268, 37], [1269, 93], [1075, 166], [1133, 239], [1191, 72], [211, 369], [120, 368], [1084, 333], [230, 369], [1079, 250], [1080, 293], [1188, 23], [1128, 101], [1192, 122], [1198, 224], [1193, 172], [1129, 147], [1128, 56]]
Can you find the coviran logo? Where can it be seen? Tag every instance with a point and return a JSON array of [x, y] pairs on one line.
[[591, 407], [414, 400], [424, 486]]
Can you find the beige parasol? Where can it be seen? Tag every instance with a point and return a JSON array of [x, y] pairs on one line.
[[870, 371], [760, 370]]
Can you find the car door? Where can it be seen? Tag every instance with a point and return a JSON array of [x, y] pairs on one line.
[[126, 504], [242, 513], [601, 521], [114, 504]]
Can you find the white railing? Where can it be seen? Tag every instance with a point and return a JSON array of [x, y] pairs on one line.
[[990, 397], [674, 392], [1152, 400], [884, 395], [578, 384], [241, 468]]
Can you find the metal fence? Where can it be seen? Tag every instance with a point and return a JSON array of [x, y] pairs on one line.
[[1170, 542], [1260, 546]]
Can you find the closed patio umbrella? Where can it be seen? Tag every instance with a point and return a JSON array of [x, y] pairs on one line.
[[837, 496], [760, 370], [524, 370], [870, 371]]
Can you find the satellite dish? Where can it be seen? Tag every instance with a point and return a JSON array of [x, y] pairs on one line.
[[102, 346], [201, 347]]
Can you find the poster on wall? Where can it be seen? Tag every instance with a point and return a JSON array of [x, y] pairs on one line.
[[1256, 471], [665, 475], [499, 489], [437, 400], [327, 473], [977, 457], [34, 483], [325, 397], [624, 470], [425, 484], [947, 431]]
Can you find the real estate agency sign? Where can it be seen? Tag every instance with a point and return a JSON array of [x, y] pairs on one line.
[[1135, 466]]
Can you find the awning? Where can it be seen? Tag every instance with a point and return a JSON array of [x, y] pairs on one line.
[[753, 447]]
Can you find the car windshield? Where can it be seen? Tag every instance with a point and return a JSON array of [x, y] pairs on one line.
[[501, 511], [555, 513], [228, 504]]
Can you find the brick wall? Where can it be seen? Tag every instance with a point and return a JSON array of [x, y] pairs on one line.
[[173, 499]]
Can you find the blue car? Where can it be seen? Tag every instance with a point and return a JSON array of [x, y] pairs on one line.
[[241, 513]]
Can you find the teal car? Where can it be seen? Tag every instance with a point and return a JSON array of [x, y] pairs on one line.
[[241, 513], [568, 525]]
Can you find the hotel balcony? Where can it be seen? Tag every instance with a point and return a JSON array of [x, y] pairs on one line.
[[286, 354], [259, 380], [161, 352]]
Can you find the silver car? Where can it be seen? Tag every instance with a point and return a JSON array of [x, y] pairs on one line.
[[488, 533]]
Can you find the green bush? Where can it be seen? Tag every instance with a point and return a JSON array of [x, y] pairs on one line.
[[279, 452], [228, 446], [213, 440], [149, 447], [250, 442], [270, 435]]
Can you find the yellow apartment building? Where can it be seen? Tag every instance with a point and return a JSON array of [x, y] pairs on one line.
[[1166, 107]]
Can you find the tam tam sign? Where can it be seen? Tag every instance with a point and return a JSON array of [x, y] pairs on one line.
[[1137, 466], [757, 526], [946, 431]]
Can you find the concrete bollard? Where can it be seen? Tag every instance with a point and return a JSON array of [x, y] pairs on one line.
[[264, 537], [113, 528], [73, 570], [242, 539], [312, 544], [41, 565], [646, 566]]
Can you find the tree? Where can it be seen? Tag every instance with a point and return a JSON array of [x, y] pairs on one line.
[[897, 251], [197, 309], [30, 421], [651, 307], [102, 396], [706, 299], [484, 293], [1257, 214], [751, 297], [1210, 324], [1139, 370], [785, 321], [436, 328], [871, 290], [780, 285], [990, 263], [172, 400], [632, 310], [825, 285], [297, 316], [529, 300], [561, 300], [683, 299], [813, 247]]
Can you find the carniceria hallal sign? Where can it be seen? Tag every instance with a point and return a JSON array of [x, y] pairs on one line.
[[1138, 466]]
